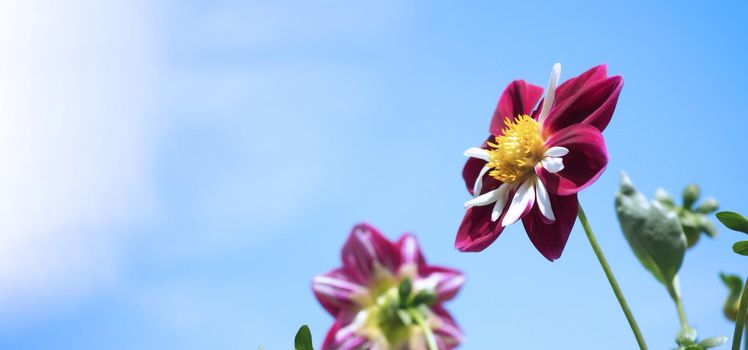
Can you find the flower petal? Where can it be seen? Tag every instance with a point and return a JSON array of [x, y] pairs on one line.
[[518, 98], [336, 290], [445, 329], [477, 152], [410, 251], [573, 85], [472, 169], [367, 253], [594, 105], [477, 231], [478, 187], [522, 202], [550, 238], [552, 164], [339, 338], [556, 152], [585, 162], [544, 203], [550, 93], [484, 199], [441, 280]]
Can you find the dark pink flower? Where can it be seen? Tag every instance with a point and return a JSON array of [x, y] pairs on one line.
[[539, 155], [385, 294]]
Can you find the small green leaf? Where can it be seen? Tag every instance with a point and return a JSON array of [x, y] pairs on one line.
[[303, 339], [733, 221], [406, 286], [713, 342], [690, 194], [741, 248], [654, 233], [424, 297]]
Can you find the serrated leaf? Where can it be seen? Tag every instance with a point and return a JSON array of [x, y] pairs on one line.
[[741, 248], [733, 221], [654, 233], [303, 340], [713, 342]]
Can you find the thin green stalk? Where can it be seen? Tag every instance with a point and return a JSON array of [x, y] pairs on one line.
[[611, 279], [740, 319], [426, 330], [681, 312]]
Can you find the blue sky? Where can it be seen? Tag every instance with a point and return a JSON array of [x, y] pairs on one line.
[[176, 172]]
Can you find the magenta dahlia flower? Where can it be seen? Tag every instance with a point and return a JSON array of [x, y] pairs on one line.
[[537, 159], [386, 297]]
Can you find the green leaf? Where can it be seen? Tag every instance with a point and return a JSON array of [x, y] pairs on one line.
[[303, 339], [713, 342], [653, 232], [733, 221], [406, 286], [741, 248]]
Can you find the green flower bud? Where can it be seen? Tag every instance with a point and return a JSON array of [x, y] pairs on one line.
[[708, 206], [690, 194], [735, 286]]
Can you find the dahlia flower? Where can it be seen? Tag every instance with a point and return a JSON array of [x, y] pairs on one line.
[[386, 297], [537, 159]]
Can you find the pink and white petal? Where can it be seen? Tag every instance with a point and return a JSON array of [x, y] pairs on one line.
[[573, 85], [472, 170], [518, 98], [410, 252], [336, 291], [594, 105], [477, 231], [338, 338], [550, 238], [443, 281], [585, 162], [445, 328], [522, 202], [367, 253]]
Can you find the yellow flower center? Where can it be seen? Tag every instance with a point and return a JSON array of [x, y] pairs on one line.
[[517, 150]]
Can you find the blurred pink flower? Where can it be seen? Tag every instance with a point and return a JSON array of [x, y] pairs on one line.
[[537, 159], [385, 294]]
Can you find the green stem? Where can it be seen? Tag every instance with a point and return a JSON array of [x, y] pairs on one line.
[[740, 319], [681, 312], [611, 279], [426, 329]]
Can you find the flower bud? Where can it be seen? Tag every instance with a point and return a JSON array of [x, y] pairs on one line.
[[735, 286], [690, 194], [708, 206]]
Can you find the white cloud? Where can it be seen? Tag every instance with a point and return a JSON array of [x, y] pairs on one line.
[[74, 143]]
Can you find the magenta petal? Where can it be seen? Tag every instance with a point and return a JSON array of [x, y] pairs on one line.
[[550, 238], [585, 162], [594, 105], [410, 251], [574, 85], [446, 282], [446, 330], [340, 339], [518, 98], [335, 290], [477, 231], [367, 250]]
